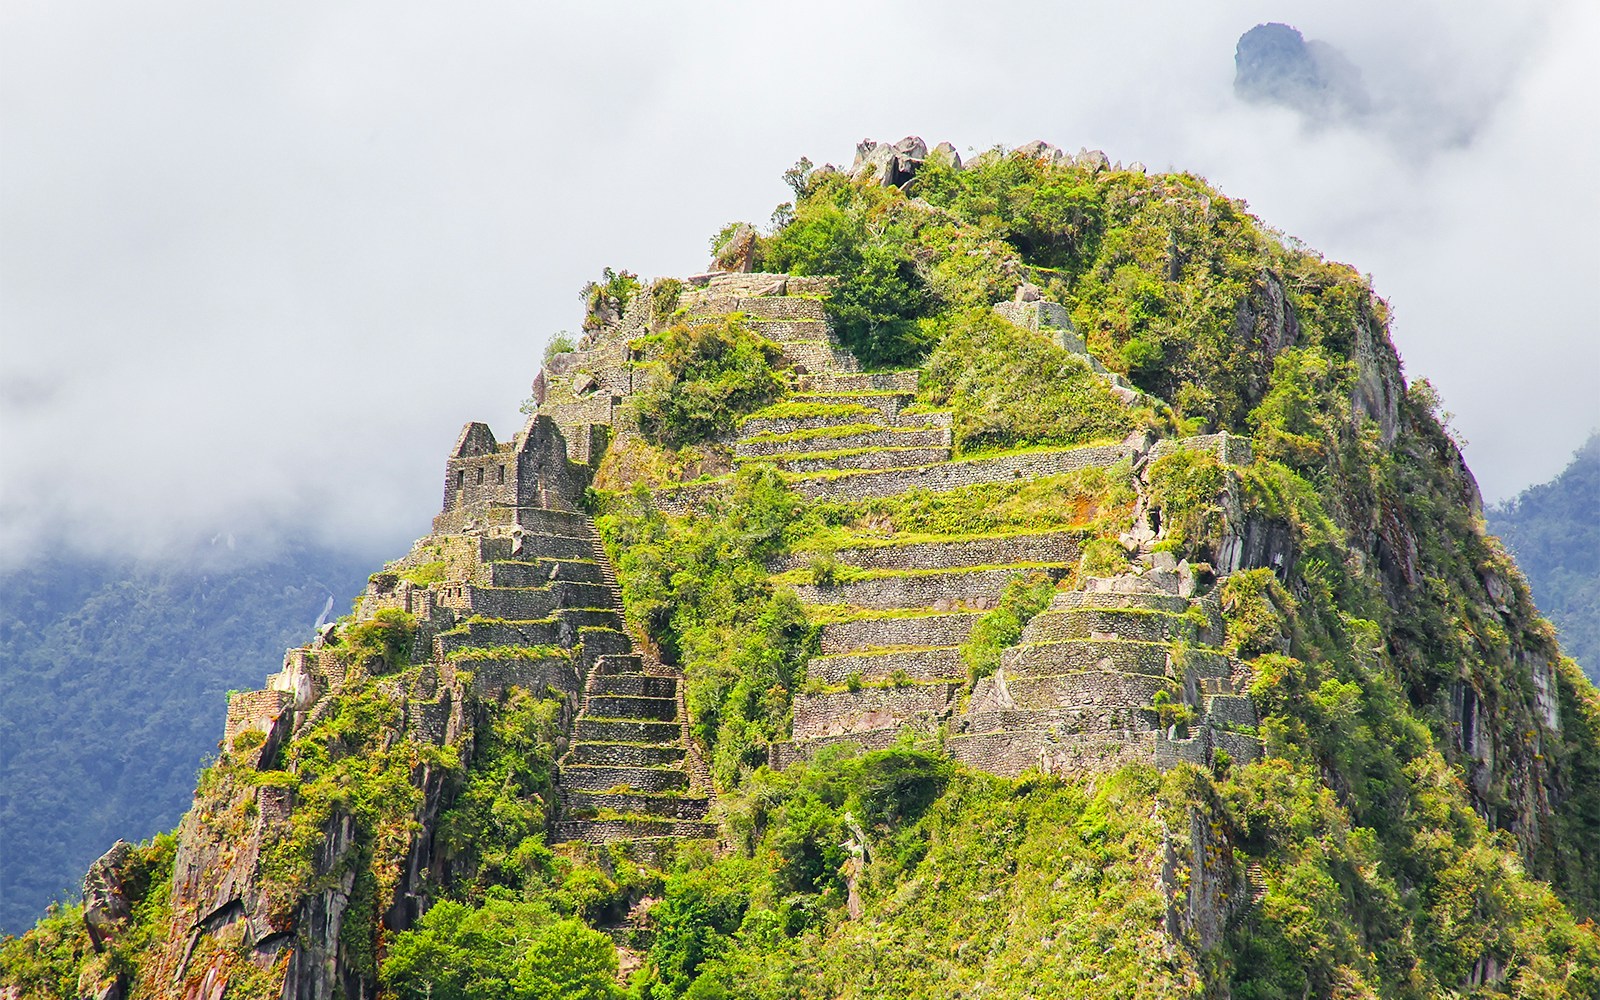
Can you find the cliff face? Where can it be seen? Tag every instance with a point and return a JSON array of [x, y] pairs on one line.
[[1152, 603]]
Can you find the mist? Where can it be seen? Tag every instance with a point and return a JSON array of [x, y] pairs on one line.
[[259, 264]]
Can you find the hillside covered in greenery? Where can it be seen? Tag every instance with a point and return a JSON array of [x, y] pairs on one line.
[[1554, 531], [1023, 578]]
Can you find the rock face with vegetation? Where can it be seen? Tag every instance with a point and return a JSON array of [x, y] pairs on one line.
[[1019, 578]]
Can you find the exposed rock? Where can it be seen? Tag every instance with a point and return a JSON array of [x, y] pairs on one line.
[[738, 254], [1273, 63], [106, 910], [1041, 150], [892, 165], [945, 154], [1094, 159]]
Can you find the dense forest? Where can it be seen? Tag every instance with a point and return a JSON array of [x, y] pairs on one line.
[[114, 676], [1554, 531]]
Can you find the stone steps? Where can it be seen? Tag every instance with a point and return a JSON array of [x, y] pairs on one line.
[[622, 706], [948, 629], [664, 806], [880, 437], [1046, 547], [604, 778], [875, 458], [930, 664], [604, 831], [625, 755], [944, 588], [639, 685], [597, 729]]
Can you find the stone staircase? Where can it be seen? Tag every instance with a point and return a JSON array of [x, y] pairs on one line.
[[531, 598], [629, 773], [625, 774], [798, 324]]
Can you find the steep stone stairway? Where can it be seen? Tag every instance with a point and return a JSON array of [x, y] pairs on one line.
[[533, 600], [627, 774]]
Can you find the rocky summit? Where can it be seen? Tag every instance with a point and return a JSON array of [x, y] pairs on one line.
[[1021, 577]]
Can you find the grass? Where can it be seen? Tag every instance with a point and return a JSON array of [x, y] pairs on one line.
[[477, 653], [804, 575], [788, 410]]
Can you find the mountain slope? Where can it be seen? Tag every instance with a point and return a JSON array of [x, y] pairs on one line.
[[1554, 531], [1028, 577], [112, 675]]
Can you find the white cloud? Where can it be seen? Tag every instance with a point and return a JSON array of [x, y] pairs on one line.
[[259, 264]]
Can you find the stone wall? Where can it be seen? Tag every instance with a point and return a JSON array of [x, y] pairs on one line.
[[918, 665], [869, 708], [1003, 693], [1229, 449], [973, 588], [898, 458], [917, 630], [1011, 754], [1001, 550], [885, 437], [1042, 659]]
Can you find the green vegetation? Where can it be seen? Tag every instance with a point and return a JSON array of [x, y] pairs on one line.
[[383, 642], [1012, 388], [1417, 826], [698, 586], [855, 234], [605, 301], [1555, 535], [506, 949], [704, 378], [1023, 597]]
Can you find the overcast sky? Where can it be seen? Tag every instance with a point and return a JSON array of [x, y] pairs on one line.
[[260, 261]]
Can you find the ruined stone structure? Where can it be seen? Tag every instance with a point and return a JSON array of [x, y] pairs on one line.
[[1081, 689]]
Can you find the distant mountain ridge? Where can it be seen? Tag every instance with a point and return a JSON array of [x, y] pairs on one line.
[[1554, 531], [111, 675]]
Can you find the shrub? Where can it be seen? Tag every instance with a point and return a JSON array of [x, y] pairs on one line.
[[1011, 387], [383, 642], [1022, 598], [707, 377], [561, 343], [605, 301]]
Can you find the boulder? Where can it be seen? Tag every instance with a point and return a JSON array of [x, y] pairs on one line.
[[738, 255], [891, 165], [106, 908], [945, 155]]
